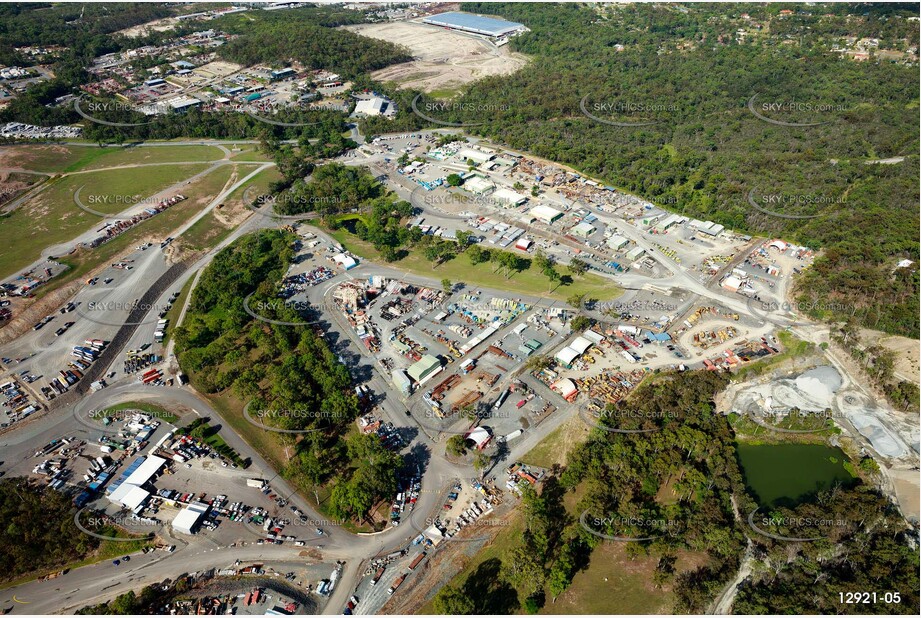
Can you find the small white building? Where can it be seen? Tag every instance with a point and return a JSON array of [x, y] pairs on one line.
[[732, 283], [186, 522], [375, 106], [345, 261], [477, 184], [635, 253], [583, 229]]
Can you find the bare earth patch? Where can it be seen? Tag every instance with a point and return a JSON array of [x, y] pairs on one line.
[[907, 351], [444, 59]]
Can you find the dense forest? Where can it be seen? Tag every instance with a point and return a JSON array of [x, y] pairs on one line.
[[683, 69], [38, 529], [287, 374], [331, 189], [307, 35], [864, 546]]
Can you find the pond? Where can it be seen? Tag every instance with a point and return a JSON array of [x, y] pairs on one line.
[[790, 473]]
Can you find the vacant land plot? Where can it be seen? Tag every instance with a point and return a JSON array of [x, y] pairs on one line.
[[555, 448], [52, 217], [249, 153], [53, 158], [615, 583], [445, 60], [58, 159]]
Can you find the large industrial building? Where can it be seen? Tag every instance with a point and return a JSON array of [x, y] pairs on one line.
[[477, 24]]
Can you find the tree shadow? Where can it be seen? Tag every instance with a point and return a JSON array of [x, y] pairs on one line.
[[490, 594]]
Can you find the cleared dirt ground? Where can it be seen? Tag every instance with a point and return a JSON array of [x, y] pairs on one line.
[[445, 60]]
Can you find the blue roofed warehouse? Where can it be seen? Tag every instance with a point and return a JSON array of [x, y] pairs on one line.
[[476, 24]]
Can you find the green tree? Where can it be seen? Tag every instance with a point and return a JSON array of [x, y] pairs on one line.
[[575, 300], [451, 600], [578, 267], [456, 446]]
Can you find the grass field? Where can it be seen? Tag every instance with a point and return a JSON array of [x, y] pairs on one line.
[[554, 449], [153, 154], [461, 270], [52, 158], [52, 217], [249, 153], [158, 412], [213, 228], [206, 232], [58, 159], [158, 227]]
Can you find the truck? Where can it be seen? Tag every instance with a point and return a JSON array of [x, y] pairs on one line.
[[417, 561], [378, 575], [500, 400], [257, 483], [396, 584], [158, 336]]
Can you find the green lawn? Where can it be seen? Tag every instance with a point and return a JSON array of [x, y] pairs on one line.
[[249, 153], [52, 217], [261, 181], [461, 270]]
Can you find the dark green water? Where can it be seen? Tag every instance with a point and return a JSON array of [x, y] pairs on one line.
[[789, 473]]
